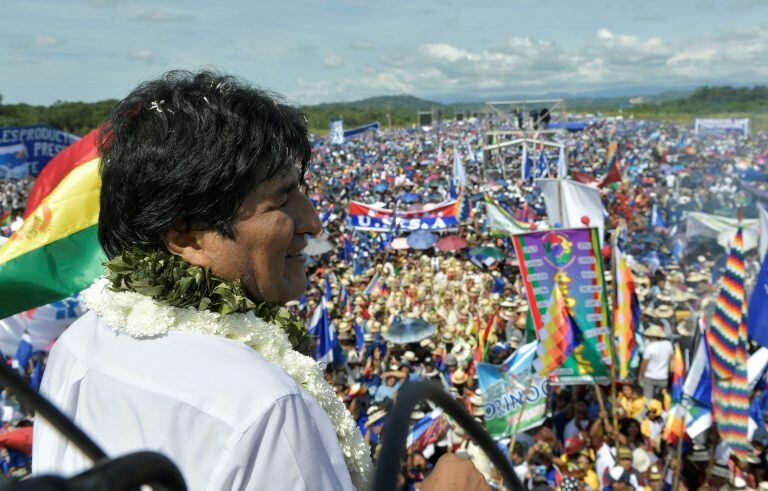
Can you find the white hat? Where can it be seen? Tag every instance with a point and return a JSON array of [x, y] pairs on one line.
[[409, 356], [655, 332], [640, 460]]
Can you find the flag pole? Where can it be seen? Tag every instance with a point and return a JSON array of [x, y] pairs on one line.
[[611, 336], [522, 410], [679, 458]]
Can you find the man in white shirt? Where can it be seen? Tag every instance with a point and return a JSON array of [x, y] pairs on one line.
[[657, 358], [204, 222]]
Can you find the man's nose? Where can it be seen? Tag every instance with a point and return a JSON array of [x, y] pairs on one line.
[[307, 221]]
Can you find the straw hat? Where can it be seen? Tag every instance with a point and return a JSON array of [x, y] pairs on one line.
[[664, 312], [461, 350], [655, 332], [459, 377], [409, 356], [696, 277], [373, 418]]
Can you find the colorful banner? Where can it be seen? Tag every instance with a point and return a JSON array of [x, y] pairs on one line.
[[569, 259], [24, 150], [443, 216], [502, 223], [505, 397]]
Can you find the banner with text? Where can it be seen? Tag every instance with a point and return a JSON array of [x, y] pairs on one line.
[[513, 402], [569, 259], [443, 216], [24, 150]]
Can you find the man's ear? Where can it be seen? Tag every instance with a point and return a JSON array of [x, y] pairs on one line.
[[188, 243]]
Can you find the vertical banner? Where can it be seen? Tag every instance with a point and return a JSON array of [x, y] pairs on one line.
[[570, 260], [506, 395], [336, 132]]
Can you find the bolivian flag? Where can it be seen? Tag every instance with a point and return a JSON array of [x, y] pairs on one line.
[[55, 253]]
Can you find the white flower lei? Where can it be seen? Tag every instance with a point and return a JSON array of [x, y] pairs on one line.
[[139, 316]]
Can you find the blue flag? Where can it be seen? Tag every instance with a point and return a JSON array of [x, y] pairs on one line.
[[24, 352], [542, 167], [328, 292], [359, 336], [321, 327], [757, 315]]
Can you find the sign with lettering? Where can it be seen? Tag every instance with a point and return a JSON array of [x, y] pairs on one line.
[[25, 150]]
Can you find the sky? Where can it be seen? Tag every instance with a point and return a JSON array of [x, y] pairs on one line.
[[342, 50]]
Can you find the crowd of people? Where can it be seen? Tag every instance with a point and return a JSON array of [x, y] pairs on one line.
[[594, 437]]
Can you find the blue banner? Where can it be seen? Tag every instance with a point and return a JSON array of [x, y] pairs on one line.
[[25, 150], [374, 224], [362, 129]]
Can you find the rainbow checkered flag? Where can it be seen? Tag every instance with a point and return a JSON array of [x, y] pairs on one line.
[[626, 315], [727, 337], [558, 336]]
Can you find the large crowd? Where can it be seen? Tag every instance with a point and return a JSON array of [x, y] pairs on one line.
[[593, 437]]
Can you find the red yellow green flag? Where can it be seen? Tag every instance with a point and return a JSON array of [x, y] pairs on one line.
[[55, 253]]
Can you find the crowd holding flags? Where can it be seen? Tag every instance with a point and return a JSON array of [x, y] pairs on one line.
[[716, 382]]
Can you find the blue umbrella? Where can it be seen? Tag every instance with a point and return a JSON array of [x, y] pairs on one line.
[[421, 239], [405, 331], [410, 198], [381, 187]]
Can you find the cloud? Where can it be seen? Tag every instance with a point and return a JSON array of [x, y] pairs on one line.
[[42, 41], [143, 55], [443, 51], [333, 61], [103, 3], [527, 65], [161, 16], [362, 45]]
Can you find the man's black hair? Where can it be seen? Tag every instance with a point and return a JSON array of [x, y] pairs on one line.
[[185, 150]]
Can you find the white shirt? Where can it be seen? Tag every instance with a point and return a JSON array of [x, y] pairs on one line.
[[573, 427], [658, 354], [604, 459], [227, 417]]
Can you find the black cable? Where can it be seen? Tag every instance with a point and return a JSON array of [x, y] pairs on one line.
[[125, 473], [129, 472], [29, 397], [396, 433]]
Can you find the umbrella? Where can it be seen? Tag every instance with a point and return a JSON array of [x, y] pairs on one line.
[[410, 198], [405, 331], [451, 243], [400, 244], [317, 246], [421, 239], [434, 197], [381, 187]]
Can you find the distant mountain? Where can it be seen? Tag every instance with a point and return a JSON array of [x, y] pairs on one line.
[[402, 101]]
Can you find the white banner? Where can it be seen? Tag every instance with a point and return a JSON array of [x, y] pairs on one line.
[[578, 201], [722, 229], [336, 132], [712, 125]]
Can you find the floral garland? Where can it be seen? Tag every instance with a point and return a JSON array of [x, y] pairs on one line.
[[141, 315], [171, 280]]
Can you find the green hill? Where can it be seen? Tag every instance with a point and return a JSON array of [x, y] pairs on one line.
[[401, 110]]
